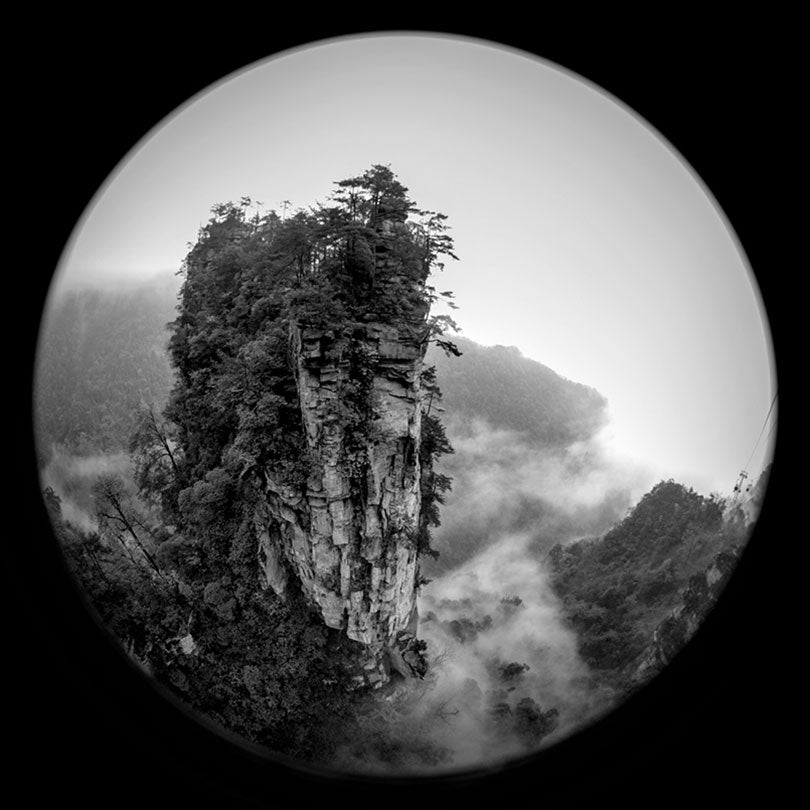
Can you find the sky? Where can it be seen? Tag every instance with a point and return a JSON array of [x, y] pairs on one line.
[[583, 238]]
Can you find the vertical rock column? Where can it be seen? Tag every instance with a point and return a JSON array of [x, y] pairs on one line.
[[350, 537]]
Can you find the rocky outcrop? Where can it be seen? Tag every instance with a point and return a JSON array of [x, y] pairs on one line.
[[349, 538], [675, 630]]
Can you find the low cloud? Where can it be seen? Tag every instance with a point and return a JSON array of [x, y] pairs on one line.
[[504, 483], [72, 477], [496, 629], [506, 678]]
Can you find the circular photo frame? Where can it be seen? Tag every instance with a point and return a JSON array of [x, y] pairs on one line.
[[237, 622]]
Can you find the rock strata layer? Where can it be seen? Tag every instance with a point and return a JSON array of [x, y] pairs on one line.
[[349, 537]]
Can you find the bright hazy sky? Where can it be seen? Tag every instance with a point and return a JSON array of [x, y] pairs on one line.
[[583, 238]]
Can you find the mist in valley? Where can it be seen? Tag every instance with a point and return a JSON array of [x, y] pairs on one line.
[[530, 470], [505, 482]]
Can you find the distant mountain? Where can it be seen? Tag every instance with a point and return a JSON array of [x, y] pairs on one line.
[[101, 352], [500, 386]]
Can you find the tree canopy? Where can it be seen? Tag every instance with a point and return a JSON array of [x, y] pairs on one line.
[[364, 256]]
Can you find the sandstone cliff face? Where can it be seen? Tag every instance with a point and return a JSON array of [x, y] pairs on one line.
[[348, 540]]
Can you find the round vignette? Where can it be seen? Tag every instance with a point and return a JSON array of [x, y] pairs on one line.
[[235, 76]]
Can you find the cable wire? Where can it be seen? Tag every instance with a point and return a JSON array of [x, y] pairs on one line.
[[767, 416]]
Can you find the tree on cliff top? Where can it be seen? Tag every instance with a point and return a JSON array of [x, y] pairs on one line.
[[357, 259]]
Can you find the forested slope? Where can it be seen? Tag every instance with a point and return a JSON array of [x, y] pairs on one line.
[[618, 588], [505, 389], [101, 352]]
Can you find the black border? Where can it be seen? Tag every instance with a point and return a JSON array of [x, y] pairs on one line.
[[87, 726]]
